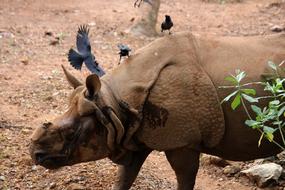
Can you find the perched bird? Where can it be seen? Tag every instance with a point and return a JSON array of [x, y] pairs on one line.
[[166, 24], [124, 51], [138, 2], [84, 54]]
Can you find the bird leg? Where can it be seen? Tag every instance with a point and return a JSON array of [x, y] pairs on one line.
[[120, 60], [138, 3]]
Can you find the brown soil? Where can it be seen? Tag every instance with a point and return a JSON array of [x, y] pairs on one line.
[[34, 39]]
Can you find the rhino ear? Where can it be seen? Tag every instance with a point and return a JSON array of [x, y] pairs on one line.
[[71, 79], [93, 85]]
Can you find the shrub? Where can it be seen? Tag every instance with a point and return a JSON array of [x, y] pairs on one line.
[[268, 120]]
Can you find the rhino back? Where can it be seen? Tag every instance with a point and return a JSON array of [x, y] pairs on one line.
[[176, 78]]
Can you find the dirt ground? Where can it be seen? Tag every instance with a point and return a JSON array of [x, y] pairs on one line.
[[35, 37]]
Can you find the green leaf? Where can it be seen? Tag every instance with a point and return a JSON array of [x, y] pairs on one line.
[[256, 109], [240, 76], [282, 95], [281, 111], [272, 65], [236, 101], [277, 123], [249, 98], [229, 96], [251, 123], [269, 132], [260, 139], [274, 102], [232, 79], [267, 129], [269, 136], [249, 91]]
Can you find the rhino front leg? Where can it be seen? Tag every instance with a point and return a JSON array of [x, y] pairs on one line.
[[185, 163], [128, 173]]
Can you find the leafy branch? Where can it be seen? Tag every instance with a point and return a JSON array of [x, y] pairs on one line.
[[269, 119]]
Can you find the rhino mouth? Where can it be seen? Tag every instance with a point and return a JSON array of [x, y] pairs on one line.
[[51, 161]]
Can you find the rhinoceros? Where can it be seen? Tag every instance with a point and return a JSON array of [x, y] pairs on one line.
[[165, 97]]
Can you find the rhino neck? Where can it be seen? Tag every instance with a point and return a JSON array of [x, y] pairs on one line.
[[129, 120], [110, 99]]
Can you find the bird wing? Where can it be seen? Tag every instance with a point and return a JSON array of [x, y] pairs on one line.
[[100, 72], [120, 46], [124, 47], [93, 67], [163, 25], [82, 40], [127, 48], [75, 59]]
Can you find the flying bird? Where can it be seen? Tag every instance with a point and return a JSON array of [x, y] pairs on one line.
[[83, 53], [124, 51], [166, 24], [138, 2]]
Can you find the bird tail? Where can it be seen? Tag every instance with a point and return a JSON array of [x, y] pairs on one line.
[[75, 59]]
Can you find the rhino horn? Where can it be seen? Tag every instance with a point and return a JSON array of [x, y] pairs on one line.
[[74, 82]]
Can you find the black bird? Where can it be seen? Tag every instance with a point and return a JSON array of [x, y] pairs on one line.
[[138, 2], [84, 54], [167, 24], [124, 51]]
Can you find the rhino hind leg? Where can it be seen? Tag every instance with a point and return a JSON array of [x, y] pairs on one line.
[[185, 163], [127, 173]]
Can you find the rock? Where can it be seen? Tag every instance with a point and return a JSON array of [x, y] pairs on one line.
[[92, 24], [231, 170], [49, 98], [25, 61], [34, 168], [48, 33], [265, 160], [5, 34], [283, 175], [213, 160], [2, 178], [75, 186], [52, 185], [54, 42], [7, 78], [264, 174], [277, 28], [132, 19], [281, 156]]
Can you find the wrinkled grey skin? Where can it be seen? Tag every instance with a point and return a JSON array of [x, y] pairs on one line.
[[164, 98]]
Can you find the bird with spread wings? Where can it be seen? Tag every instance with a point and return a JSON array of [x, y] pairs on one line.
[[83, 53]]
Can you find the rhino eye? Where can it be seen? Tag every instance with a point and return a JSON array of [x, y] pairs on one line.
[[46, 141], [68, 135]]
